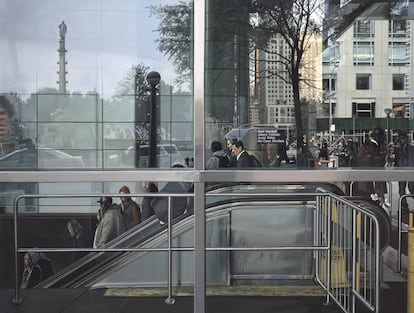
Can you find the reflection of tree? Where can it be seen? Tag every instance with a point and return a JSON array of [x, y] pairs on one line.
[[294, 20], [175, 35]]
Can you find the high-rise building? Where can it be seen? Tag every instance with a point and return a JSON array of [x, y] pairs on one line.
[[275, 89], [370, 69]]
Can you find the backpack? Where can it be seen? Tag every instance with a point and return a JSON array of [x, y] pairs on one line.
[[224, 160], [255, 161]]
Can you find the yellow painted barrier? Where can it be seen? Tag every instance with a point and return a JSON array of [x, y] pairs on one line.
[[338, 274], [410, 274]]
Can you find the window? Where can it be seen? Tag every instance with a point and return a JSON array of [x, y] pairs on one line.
[[363, 81], [329, 78], [397, 55], [400, 108], [363, 109], [363, 53], [398, 81], [397, 28], [363, 29]]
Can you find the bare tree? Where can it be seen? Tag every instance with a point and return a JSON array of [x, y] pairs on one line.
[[296, 21]]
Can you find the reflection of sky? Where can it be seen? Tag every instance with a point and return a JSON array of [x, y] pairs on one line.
[[104, 39]]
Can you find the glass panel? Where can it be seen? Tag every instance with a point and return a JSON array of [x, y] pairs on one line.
[[79, 84], [397, 53]]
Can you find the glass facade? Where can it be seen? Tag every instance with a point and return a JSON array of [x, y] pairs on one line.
[[76, 103]]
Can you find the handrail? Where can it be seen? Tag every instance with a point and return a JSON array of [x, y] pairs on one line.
[[361, 226], [17, 299], [400, 230], [317, 247]]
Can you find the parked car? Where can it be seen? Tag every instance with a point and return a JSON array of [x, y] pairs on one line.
[[168, 155], [40, 158]]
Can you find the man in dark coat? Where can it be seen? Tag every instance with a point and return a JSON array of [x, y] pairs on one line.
[[242, 157], [372, 154]]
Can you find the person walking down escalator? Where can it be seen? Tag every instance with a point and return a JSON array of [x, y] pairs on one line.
[[129, 208], [80, 238], [146, 206], [37, 268], [111, 224]]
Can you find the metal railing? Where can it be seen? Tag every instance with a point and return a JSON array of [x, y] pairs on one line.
[[400, 230], [346, 246], [350, 268], [17, 299]]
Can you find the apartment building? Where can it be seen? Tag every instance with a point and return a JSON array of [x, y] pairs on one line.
[[369, 69]]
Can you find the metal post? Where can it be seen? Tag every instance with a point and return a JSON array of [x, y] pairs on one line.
[[17, 299], [153, 79], [388, 111], [330, 109], [410, 274], [170, 300], [136, 137]]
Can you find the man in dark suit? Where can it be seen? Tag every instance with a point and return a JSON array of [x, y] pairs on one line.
[[242, 157], [372, 154]]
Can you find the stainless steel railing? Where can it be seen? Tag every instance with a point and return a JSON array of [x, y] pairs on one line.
[[401, 230], [350, 269], [346, 246]]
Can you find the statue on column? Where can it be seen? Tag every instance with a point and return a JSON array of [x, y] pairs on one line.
[[63, 30]]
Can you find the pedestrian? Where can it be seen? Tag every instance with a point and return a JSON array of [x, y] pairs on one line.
[[36, 268], [160, 205], [219, 159], [111, 224], [130, 210], [80, 238], [242, 157], [372, 154], [402, 158], [146, 206], [229, 151]]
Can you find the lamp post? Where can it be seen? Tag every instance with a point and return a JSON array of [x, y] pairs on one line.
[[153, 78], [388, 111], [330, 89]]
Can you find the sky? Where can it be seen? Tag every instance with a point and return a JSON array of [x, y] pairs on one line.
[[104, 39]]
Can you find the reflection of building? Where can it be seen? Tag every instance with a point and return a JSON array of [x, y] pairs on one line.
[[275, 91], [311, 70], [369, 70]]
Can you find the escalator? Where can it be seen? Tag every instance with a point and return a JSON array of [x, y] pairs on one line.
[[223, 211]]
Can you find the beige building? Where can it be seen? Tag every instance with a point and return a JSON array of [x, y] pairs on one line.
[[370, 70], [275, 93]]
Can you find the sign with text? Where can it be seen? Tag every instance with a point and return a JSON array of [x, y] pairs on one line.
[[270, 136]]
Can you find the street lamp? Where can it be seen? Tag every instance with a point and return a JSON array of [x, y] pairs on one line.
[[153, 78], [330, 89], [388, 111]]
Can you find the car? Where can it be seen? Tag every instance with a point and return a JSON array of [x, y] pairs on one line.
[[168, 156], [40, 158]]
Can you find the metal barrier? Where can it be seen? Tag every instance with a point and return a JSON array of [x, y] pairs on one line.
[[400, 230], [350, 268], [346, 247], [17, 299]]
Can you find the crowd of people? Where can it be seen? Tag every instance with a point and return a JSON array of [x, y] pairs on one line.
[[235, 156], [113, 219]]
